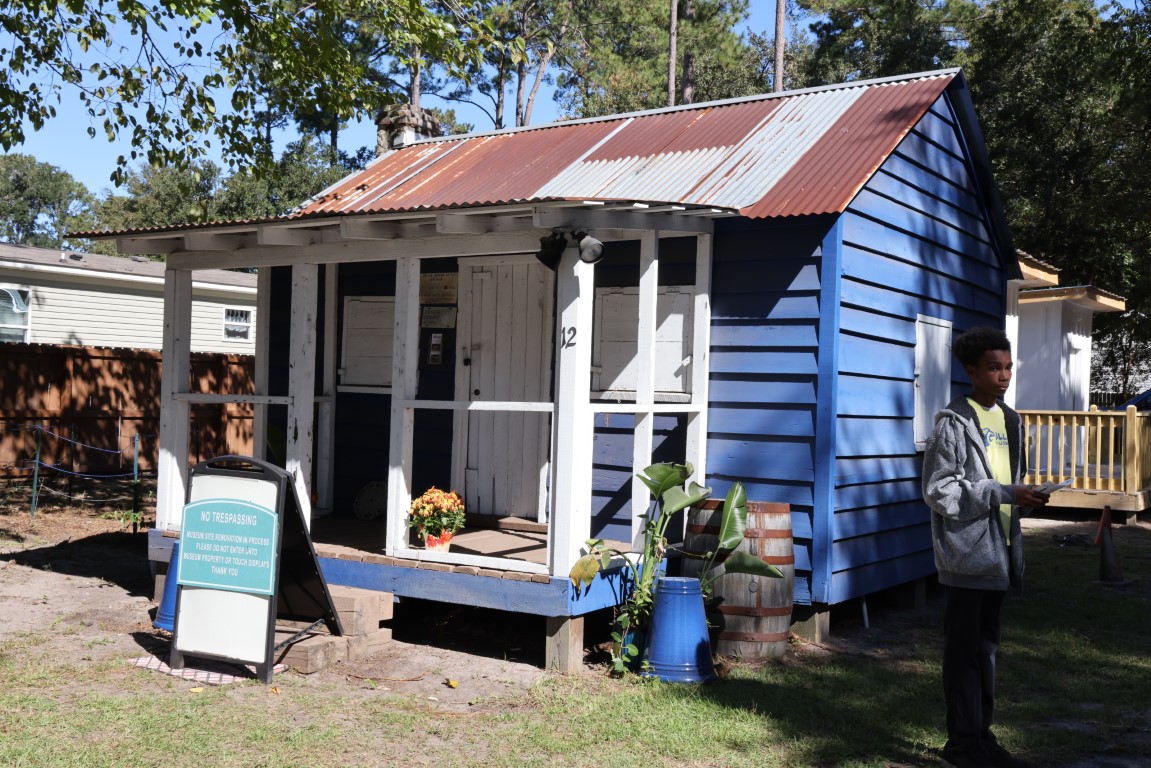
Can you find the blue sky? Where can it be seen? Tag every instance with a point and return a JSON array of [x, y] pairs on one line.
[[64, 141]]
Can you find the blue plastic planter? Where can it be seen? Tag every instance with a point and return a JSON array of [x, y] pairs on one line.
[[678, 649], [166, 613]]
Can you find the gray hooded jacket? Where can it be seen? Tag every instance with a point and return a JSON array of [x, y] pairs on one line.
[[964, 496]]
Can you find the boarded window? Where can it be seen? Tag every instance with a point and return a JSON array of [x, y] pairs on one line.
[[369, 329], [14, 314], [932, 373], [615, 345]]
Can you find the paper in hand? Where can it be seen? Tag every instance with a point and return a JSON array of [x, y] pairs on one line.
[[1051, 486]]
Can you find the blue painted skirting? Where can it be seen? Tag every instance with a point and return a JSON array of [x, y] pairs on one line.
[[555, 597]]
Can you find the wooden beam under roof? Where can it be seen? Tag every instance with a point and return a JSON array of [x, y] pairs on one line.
[[588, 219]]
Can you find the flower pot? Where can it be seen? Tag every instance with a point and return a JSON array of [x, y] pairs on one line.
[[441, 543]]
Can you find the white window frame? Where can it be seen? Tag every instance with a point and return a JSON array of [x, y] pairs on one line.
[[27, 298], [674, 357], [367, 320], [932, 374], [250, 323]]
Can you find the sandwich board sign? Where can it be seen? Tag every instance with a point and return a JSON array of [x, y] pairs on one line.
[[245, 559]]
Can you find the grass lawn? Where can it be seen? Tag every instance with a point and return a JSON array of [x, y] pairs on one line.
[[1075, 682]]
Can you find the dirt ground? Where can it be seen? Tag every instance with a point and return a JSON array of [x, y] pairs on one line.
[[83, 579]]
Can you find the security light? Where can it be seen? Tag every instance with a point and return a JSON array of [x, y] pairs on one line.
[[590, 249]]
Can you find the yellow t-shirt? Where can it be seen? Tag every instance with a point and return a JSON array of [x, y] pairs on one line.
[[994, 429]]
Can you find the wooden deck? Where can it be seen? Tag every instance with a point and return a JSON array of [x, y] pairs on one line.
[[1106, 454], [350, 538]]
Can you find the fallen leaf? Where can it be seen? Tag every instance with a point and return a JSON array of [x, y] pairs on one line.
[[197, 689], [274, 689], [452, 683]]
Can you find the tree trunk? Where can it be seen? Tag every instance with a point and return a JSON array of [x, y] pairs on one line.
[[780, 41], [687, 90], [671, 53], [414, 80]]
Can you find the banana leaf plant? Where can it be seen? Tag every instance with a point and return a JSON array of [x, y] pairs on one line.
[[669, 487]]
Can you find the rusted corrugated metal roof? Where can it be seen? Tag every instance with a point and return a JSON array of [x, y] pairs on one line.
[[805, 152]]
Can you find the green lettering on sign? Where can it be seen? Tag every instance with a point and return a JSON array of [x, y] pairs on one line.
[[229, 544]]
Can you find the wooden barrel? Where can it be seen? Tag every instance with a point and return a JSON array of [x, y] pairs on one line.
[[754, 611]]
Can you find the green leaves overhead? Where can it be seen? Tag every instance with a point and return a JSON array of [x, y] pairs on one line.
[[153, 71]]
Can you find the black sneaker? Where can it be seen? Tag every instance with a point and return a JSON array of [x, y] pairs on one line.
[[957, 758], [1001, 758]]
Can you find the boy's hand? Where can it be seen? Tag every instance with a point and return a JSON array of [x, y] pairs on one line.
[[1027, 497]]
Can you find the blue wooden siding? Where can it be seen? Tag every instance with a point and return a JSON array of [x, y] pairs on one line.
[[916, 240], [611, 468], [766, 285]]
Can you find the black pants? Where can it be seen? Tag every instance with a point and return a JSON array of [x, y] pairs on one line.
[[971, 637]]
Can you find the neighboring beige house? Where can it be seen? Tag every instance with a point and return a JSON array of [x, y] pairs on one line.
[[63, 297]]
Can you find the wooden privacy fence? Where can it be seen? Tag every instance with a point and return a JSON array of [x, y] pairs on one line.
[[1098, 450], [102, 399]]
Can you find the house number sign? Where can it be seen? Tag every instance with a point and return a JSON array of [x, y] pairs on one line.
[[567, 337]]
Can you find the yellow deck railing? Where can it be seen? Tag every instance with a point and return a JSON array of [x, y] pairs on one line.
[[1098, 450]]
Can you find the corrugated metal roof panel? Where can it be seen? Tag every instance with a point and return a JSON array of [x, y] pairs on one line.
[[804, 152], [850, 149]]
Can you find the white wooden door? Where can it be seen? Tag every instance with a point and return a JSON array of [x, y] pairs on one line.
[[505, 354]]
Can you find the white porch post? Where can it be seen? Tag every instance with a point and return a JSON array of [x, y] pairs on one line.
[[172, 466], [405, 359], [645, 376], [572, 431], [1011, 328], [302, 382], [700, 359], [260, 375], [326, 427]]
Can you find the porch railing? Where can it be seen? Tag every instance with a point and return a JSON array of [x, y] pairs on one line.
[[1098, 450]]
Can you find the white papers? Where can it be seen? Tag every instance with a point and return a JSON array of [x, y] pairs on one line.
[[1051, 486]]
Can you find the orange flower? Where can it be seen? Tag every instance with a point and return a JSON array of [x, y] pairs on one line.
[[436, 512]]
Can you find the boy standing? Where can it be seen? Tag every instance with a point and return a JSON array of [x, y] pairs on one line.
[[972, 468]]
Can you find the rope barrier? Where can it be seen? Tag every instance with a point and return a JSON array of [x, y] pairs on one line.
[[39, 487], [84, 499], [77, 442], [79, 474]]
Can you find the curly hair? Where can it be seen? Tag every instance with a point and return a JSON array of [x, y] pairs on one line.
[[970, 345]]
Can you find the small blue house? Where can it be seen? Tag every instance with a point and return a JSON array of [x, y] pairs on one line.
[[779, 281]]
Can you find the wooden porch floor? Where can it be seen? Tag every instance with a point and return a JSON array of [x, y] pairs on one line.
[[350, 538]]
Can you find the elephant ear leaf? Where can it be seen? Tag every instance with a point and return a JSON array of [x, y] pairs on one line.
[[742, 562], [734, 520], [675, 498], [660, 477]]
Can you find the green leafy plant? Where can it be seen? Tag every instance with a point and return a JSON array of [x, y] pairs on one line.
[[126, 517], [672, 492]]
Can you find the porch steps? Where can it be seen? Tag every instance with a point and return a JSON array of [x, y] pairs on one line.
[[361, 611]]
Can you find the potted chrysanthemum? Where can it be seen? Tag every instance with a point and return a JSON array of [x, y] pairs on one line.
[[437, 515]]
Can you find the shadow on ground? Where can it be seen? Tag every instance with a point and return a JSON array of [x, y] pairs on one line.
[[120, 558]]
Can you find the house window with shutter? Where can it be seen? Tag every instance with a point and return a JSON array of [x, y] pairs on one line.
[[237, 324], [15, 315], [615, 344], [369, 336], [932, 374]]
